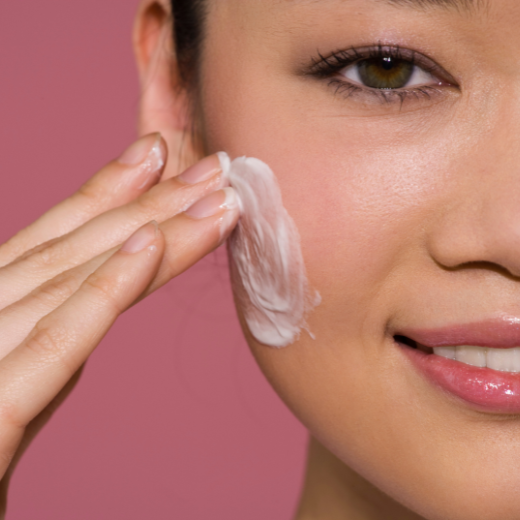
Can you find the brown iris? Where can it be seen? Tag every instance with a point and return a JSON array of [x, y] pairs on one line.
[[385, 72]]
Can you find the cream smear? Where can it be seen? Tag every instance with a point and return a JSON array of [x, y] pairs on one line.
[[265, 249]]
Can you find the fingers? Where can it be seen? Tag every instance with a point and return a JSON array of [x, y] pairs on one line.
[[195, 233], [37, 370], [107, 230], [18, 319], [121, 181], [189, 236]]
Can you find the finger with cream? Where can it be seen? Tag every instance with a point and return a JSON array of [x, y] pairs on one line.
[[265, 250]]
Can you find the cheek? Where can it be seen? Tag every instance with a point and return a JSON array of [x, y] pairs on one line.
[[266, 256], [358, 188], [354, 198]]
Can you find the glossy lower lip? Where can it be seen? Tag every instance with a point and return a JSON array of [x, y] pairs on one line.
[[485, 389]]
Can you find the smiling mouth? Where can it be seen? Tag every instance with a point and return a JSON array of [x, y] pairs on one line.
[[477, 362], [500, 359]]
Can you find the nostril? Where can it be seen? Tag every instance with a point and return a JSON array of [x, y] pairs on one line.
[[405, 341]]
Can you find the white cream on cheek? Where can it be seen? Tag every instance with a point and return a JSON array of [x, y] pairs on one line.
[[265, 248]]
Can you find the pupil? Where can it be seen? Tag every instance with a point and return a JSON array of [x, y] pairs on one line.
[[387, 63]]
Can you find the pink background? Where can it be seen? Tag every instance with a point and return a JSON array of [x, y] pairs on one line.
[[172, 418]]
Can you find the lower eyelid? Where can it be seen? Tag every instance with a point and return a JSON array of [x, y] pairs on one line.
[[390, 96]]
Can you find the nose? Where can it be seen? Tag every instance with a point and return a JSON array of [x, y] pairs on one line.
[[479, 222]]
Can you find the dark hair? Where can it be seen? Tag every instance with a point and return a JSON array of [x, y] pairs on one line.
[[188, 27]]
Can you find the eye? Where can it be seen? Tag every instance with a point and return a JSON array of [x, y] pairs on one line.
[[392, 73], [388, 73]]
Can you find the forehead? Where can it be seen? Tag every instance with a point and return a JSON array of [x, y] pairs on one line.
[[265, 20], [241, 8]]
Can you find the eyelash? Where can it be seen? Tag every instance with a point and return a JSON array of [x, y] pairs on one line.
[[328, 68]]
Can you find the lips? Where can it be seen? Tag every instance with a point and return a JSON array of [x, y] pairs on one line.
[[474, 362]]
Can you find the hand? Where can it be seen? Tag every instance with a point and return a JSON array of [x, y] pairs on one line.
[[66, 278]]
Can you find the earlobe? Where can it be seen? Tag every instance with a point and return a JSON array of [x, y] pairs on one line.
[[164, 105]]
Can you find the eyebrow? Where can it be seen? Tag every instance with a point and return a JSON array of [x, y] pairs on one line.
[[458, 5]]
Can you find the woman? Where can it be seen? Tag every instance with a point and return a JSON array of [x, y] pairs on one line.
[[392, 128]]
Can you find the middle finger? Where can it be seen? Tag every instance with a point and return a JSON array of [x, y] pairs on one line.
[[107, 230], [187, 238]]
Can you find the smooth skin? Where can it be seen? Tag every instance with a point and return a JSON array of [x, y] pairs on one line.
[[409, 217], [414, 206]]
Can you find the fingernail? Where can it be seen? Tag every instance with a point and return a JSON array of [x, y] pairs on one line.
[[203, 170], [213, 203], [150, 154], [228, 222], [138, 151], [141, 239]]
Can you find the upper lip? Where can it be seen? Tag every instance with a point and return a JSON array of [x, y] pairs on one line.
[[492, 333]]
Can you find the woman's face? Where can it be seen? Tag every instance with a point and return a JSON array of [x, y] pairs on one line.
[[408, 206]]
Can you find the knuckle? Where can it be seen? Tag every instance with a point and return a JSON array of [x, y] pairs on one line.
[[103, 289], [91, 193], [48, 342], [49, 254], [51, 346], [45, 257], [56, 291], [10, 417], [148, 205], [36, 250]]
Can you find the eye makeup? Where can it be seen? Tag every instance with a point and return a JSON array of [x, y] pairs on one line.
[[389, 73]]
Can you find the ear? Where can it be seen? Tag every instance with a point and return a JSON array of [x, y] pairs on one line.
[[164, 105]]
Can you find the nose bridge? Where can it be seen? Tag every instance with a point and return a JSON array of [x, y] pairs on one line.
[[480, 221]]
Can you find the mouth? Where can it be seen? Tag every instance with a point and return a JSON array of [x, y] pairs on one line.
[[477, 363], [500, 359]]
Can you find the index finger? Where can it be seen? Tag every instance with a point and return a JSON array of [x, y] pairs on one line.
[[116, 184]]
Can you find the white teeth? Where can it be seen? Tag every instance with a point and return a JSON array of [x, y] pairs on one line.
[[503, 359], [506, 360], [447, 352], [475, 356]]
